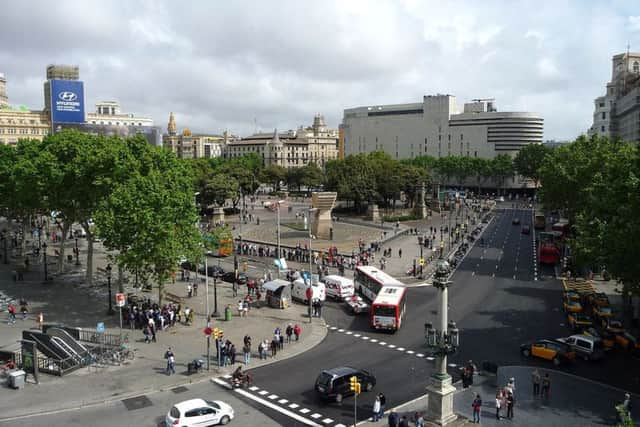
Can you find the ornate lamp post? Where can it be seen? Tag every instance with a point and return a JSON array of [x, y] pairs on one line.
[[110, 311], [215, 295], [442, 340], [44, 252]]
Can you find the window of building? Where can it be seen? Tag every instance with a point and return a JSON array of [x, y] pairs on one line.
[[439, 137], [636, 67], [601, 105], [475, 154], [449, 137], [425, 141], [467, 154], [396, 154], [602, 128], [448, 145], [461, 137], [604, 115]]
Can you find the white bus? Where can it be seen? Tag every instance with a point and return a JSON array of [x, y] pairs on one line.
[[368, 281]]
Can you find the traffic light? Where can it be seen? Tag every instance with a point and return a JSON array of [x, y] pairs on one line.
[[218, 333], [354, 385]]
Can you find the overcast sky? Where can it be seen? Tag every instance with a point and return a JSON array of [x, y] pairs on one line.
[[244, 64]]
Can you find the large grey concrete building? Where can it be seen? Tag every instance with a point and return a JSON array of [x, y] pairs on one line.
[[617, 112], [437, 127]]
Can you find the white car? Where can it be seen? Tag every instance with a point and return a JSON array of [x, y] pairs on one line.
[[199, 412]]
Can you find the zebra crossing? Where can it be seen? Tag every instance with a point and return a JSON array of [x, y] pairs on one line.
[[280, 404]]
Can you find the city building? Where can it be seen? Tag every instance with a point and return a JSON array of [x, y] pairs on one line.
[[20, 122], [436, 127], [617, 112], [294, 148], [108, 113], [58, 72], [187, 145]]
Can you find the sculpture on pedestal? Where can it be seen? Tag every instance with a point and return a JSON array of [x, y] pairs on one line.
[[321, 222]]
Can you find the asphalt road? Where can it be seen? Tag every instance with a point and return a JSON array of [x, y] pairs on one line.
[[499, 298], [116, 413]]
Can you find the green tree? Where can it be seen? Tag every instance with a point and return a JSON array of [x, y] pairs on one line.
[[312, 176], [274, 174], [218, 189], [529, 160], [294, 178], [502, 168], [150, 218]]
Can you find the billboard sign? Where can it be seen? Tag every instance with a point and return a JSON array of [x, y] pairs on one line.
[[67, 101]]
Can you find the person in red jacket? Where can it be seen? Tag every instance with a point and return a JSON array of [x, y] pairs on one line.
[[297, 331]]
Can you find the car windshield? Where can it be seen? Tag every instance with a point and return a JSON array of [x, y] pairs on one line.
[[212, 404], [324, 379]]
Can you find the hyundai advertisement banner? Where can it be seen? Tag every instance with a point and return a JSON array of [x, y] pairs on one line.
[[67, 101]]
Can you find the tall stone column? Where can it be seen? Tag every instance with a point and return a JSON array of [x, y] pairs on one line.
[[322, 223]]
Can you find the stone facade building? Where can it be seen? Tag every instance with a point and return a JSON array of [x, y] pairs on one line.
[[191, 146]]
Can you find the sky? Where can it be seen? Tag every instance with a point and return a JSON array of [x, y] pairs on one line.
[[258, 65]]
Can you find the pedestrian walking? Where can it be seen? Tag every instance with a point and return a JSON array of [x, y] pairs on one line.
[[12, 314], [274, 347], [40, 321], [546, 386], [477, 406], [383, 403], [624, 410], [170, 358], [189, 290], [404, 422], [289, 332], [246, 351], [511, 386], [297, 331], [147, 334], [510, 403], [498, 403], [535, 380], [195, 289], [376, 409]]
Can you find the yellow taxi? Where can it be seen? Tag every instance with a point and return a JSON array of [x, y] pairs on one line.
[[628, 342], [572, 306], [602, 312], [607, 339], [579, 321], [555, 351], [599, 299]]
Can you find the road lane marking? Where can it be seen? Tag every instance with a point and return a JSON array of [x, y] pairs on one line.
[[419, 355], [349, 332], [263, 392], [272, 396], [431, 359], [373, 340], [254, 388], [391, 345], [410, 351], [340, 330], [357, 335], [305, 410], [327, 421], [333, 328], [282, 401], [276, 408], [382, 343], [365, 338], [400, 348], [316, 416], [294, 406]]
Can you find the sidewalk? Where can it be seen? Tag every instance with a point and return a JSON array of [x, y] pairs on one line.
[[71, 306]]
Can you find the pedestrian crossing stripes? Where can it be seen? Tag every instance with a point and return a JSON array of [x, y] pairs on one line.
[[381, 343], [293, 410]]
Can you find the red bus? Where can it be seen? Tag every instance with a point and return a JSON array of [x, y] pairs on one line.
[[388, 309], [368, 281], [548, 253]]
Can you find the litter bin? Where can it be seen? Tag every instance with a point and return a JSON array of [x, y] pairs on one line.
[[16, 379], [227, 314]]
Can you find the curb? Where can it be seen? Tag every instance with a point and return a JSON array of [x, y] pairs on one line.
[[321, 326]]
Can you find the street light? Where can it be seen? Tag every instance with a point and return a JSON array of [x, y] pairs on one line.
[[110, 311], [442, 340], [44, 248], [215, 295], [77, 253], [310, 261]]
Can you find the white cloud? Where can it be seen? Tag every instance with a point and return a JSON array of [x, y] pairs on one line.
[[221, 65]]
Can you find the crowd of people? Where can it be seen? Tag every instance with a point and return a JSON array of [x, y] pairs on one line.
[[152, 318]]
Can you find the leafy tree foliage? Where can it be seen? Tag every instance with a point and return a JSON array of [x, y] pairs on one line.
[[529, 161]]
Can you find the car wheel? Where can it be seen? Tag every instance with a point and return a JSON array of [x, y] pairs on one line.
[[368, 387], [526, 352], [556, 361], [224, 421], [338, 398]]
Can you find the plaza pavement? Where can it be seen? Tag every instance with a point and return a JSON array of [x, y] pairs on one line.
[[75, 306]]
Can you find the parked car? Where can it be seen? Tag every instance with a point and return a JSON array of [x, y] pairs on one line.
[[555, 351], [230, 276], [579, 321], [585, 346], [571, 306], [602, 312], [526, 229], [299, 289], [199, 412], [613, 326], [628, 342], [598, 299], [333, 384]]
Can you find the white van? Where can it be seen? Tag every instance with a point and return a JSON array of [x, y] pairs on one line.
[[299, 290], [338, 287]]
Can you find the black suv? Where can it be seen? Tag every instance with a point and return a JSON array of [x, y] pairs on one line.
[[230, 276], [333, 384]]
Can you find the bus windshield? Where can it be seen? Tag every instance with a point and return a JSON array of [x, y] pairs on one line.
[[384, 310]]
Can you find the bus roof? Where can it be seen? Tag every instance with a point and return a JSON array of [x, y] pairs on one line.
[[379, 276], [389, 295]]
